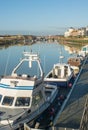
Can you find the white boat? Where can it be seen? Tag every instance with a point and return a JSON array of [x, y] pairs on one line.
[[76, 69], [24, 97], [61, 75], [83, 51]]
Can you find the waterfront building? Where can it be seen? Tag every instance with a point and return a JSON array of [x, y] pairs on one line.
[[76, 32]]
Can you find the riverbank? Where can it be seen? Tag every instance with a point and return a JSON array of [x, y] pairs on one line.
[[16, 39], [74, 40], [29, 39]]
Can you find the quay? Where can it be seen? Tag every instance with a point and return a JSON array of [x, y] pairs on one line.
[[74, 112]]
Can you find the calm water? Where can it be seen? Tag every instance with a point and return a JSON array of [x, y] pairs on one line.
[[49, 54]]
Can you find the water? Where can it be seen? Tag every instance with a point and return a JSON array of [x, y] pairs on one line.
[[49, 55]]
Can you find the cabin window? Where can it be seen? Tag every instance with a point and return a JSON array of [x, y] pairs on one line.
[[0, 97], [22, 101], [8, 101], [84, 49], [37, 98], [65, 71], [57, 72]]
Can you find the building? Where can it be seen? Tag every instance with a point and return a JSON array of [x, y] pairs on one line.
[[76, 32], [68, 32]]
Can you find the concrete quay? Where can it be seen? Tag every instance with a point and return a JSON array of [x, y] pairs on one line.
[[71, 115]]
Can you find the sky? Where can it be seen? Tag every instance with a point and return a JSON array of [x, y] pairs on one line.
[[42, 17]]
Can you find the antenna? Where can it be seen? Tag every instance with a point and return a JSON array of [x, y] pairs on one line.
[[61, 56], [7, 62]]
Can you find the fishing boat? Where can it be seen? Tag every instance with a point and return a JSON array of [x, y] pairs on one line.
[[75, 63], [84, 51], [24, 97], [61, 74]]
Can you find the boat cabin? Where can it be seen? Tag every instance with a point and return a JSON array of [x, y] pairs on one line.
[[84, 51], [60, 71]]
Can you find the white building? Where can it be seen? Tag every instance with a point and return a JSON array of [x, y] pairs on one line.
[[76, 32], [68, 32], [87, 31]]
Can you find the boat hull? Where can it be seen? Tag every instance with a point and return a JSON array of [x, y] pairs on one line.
[[60, 83]]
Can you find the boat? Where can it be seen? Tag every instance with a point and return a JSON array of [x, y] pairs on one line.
[[61, 74], [75, 63], [84, 51], [24, 97]]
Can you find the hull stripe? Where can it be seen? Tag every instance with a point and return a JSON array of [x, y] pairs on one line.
[[17, 87]]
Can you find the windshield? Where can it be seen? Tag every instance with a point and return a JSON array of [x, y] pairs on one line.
[[0, 97], [8, 101], [22, 101]]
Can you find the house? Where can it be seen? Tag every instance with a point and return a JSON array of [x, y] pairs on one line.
[[76, 32]]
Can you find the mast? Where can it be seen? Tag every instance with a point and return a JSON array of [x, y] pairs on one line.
[[30, 57]]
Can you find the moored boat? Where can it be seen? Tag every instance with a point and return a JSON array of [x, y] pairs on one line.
[[75, 63], [84, 51], [24, 97], [61, 75]]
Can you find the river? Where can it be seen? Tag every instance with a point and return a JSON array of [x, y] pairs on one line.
[[49, 55]]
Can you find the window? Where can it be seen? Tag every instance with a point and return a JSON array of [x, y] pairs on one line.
[[65, 71], [7, 101], [0, 97], [59, 71], [37, 98], [84, 49], [22, 101]]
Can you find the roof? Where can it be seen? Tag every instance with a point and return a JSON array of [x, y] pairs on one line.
[[61, 64]]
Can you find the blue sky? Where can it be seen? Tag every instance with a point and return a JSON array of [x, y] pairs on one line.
[[42, 16]]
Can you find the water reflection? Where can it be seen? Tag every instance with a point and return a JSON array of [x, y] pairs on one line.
[[49, 54], [71, 49]]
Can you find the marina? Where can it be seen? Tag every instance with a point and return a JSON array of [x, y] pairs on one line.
[[43, 65], [51, 115]]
